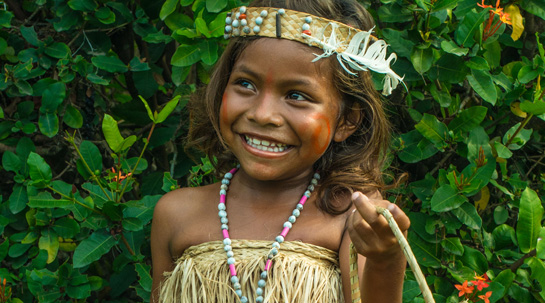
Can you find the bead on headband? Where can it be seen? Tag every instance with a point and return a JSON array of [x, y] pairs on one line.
[[356, 50]]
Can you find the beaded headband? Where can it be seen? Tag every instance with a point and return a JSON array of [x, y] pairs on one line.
[[353, 47]]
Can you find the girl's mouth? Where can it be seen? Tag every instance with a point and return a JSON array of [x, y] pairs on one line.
[[265, 145]]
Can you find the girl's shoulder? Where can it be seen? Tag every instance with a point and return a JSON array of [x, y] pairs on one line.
[[185, 201]]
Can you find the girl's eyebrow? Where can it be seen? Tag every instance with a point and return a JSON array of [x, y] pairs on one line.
[[297, 81]]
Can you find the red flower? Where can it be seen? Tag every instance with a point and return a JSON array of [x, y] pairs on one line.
[[480, 281], [464, 289], [486, 296]]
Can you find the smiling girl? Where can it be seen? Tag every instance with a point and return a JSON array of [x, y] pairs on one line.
[[294, 121]]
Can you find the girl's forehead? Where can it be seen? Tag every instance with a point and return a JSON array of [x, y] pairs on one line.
[[289, 57]]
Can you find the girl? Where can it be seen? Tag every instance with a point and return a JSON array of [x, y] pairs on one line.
[[291, 102]]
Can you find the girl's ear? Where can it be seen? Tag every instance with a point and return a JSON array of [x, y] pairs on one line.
[[348, 124]]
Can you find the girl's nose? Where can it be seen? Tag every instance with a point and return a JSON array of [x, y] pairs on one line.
[[266, 110]]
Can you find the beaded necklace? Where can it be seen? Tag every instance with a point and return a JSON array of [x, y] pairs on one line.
[[275, 245]]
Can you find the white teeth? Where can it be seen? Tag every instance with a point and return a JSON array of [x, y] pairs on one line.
[[265, 145]]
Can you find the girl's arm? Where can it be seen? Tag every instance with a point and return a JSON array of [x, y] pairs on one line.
[[161, 234], [381, 261]]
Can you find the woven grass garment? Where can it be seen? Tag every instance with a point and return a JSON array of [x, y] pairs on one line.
[[301, 273]]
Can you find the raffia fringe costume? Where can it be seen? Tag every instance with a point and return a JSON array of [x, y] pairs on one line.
[[301, 273]]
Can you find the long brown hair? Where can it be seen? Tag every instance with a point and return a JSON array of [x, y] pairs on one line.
[[352, 165]]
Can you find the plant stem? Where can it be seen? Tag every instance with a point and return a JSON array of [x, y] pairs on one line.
[[95, 178], [521, 126], [520, 261], [137, 162], [74, 200], [127, 244]]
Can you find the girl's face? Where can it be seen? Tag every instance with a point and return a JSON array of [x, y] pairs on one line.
[[280, 110]]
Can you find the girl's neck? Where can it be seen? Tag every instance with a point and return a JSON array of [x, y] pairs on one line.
[[288, 191]]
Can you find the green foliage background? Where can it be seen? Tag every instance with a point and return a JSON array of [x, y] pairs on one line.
[[85, 159]]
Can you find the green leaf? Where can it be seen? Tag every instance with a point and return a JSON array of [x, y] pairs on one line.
[[58, 50], [167, 110], [143, 271], [45, 200], [422, 59], [529, 220], [92, 248], [478, 63], [5, 18], [11, 161], [105, 15], [168, 183], [186, 55], [110, 64], [474, 259], [72, 117], [49, 242], [49, 124], [540, 246], [482, 83], [39, 170], [526, 74], [471, 23], [142, 209], [209, 52], [137, 66], [433, 130], [503, 152], [132, 224], [111, 133], [215, 6], [83, 5], [537, 108], [410, 290], [535, 7], [18, 199], [91, 154], [452, 48], [446, 198], [425, 253], [521, 138], [97, 79], [148, 109], [169, 6], [30, 36], [52, 97], [468, 215], [127, 143], [538, 272], [468, 119], [453, 245], [66, 227]]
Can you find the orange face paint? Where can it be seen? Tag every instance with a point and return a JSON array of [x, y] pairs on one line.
[[321, 135]]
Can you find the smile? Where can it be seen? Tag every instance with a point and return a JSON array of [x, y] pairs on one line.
[[265, 145]]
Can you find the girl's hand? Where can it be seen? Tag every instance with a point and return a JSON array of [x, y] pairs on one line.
[[370, 232]]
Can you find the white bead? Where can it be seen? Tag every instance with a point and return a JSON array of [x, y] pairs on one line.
[[296, 213], [292, 219], [314, 182], [221, 206], [230, 254], [243, 299], [308, 193], [300, 206], [236, 32], [228, 20], [311, 187], [264, 275], [237, 15], [259, 291], [236, 286], [228, 28], [238, 292], [226, 241], [274, 251], [281, 11], [226, 36], [258, 20], [222, 214], [261, 283], [276, 245], [256, 29], [230, 260], [263, 13], [317, 176], [246, 29], [308, 19], [236, 23], [224, 226], [228, 176], [243, 22], [306, 27], [224, 220], [227, 248], [234, 279], [259, 299], [287, 224], [223, 192], [225, 181], [242, 9], [224, 187], [279, 239]]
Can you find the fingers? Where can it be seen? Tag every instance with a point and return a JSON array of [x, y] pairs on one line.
[[367, 210]]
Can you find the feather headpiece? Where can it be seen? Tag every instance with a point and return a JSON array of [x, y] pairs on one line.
[[356, 50]]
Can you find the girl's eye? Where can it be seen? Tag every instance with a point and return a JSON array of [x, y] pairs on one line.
[[297, 96], [246, 84]]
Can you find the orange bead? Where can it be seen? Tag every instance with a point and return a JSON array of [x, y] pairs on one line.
[[307, 32], [242, 16]]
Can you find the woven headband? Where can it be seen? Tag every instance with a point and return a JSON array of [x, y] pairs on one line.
[[356, 50]]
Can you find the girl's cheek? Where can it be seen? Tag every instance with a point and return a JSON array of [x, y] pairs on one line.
[[321, 133], [223, 109]]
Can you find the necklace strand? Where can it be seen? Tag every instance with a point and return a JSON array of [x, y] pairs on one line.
[[275, 245]]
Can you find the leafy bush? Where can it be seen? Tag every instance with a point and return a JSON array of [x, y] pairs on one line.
[[85, 158]]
